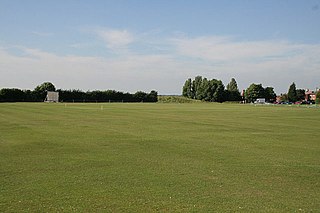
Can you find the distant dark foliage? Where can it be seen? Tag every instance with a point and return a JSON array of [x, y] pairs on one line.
[[39, 94], [106, 96]]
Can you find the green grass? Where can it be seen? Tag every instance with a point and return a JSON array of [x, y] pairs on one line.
[[159, 157]]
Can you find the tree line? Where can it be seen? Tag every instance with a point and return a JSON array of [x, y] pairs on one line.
[[40, 92], [214, 91]]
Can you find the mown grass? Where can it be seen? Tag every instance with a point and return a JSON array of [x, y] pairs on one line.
[[159, 157]]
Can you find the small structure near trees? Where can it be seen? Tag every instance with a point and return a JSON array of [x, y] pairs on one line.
[[52, 97]]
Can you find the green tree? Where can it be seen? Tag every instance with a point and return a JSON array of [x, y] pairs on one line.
[[206, 87], [203, 90], [140, 96], [232, 92], [196, 84], [152, 96], [219, 94], [213, 86], [253, 92], [187, 89], [232, 86], [270, 95], [300, 94], [46, 86], [292, 93]]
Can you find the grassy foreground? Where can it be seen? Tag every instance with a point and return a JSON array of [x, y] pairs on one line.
[[159, 157]]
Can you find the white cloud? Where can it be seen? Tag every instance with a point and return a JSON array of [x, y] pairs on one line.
[[116, 39]]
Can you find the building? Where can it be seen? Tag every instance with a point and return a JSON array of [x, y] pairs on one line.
[[310, 95]]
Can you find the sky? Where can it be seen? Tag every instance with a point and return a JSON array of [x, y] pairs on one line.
[[144, 45]]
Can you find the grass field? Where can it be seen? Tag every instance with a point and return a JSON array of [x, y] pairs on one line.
[[197, 157]]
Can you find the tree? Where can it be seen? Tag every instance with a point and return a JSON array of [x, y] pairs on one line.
[[213, 85], [203, 90], [152, 96], [41, 90], [318, 97], [196, 84], [187, 89], [219, 94], [270, 95], [232, 92], [292, 93], [232, 86], [300, 94], [139, 96], [253, 92], [11, 95], [206, 93]]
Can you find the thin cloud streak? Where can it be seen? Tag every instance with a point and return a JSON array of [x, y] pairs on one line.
[[42, 34]]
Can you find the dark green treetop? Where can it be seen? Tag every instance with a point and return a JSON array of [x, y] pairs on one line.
[[292, 93], [232, 86], [232, 92]]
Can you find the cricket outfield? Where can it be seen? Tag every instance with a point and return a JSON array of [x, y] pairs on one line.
[[196, 157]]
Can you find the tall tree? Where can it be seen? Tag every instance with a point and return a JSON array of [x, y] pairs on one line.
[[232, 86], [219, 94], [213, 86], [187, 89], [292, 93], [203, 89], [196, 84], [232, 92]]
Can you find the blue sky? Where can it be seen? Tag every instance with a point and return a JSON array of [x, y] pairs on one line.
[[148, 44]]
